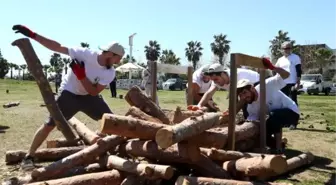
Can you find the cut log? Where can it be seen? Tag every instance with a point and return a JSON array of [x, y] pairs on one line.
[[101, 178], [180, 115], [150, 171], [292, 164], [226, 155], [11, 104], [256, 166], [137, 113], [150, 149], [62, 142], [192, 126], [188, 180], [136, 98], [42, 155], [133, 180], [83, 131], [35, 68], [86, 156], [192, 150], [129, 127]]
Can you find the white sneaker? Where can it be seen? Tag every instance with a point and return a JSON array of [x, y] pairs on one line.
[[27, 163]]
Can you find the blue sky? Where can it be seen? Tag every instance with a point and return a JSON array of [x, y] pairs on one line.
[[248, 24]]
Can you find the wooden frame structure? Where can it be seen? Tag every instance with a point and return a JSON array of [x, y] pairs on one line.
[[174, 69], [256, 62]]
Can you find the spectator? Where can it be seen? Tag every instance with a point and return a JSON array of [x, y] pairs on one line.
[[58, 80], [113, 87]]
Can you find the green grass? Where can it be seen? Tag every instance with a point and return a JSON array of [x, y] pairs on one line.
[[22, 121]]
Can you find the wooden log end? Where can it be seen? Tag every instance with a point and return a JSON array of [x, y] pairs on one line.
[[102, 125], [278, 163], [164, 137]]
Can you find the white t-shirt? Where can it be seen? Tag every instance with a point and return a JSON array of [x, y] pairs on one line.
[[275, 99], [197, 78], [289, 63], [94, 71], [252, 76]]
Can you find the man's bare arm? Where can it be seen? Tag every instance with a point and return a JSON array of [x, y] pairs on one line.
[[92, 89], [207, 96], [51, 44], [283, 73]]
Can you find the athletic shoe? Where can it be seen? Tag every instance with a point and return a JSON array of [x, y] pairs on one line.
[[27, 163]]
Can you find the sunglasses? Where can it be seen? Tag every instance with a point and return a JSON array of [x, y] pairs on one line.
[[286, 48]]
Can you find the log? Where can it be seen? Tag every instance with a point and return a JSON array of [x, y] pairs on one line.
[[226, 155], [136, 98], [188, 180], [42, 155], [83, 131], [292, 164], [35, 68], [101, 178], [11, 104], [256, 166], [86, 156], [180, 115], [192, 126], [137, 113], [62, 142], [150, 171], [133, 180], [150, 150], [129, 127]]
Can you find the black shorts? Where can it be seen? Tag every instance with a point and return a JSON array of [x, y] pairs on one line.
[[69, 104]]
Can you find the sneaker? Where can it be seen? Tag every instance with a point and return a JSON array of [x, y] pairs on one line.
[[292, 127], [27, 163]]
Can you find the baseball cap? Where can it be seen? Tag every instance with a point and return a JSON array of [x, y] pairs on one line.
[[243, 83], [215, 68], [286, 44], [115, 48], [205, 69]]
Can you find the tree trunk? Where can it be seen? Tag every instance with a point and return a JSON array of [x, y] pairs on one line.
[[84, 133], [139, 114], [62, 142], [292, 164], [35, 67], [180, 115], [192, 126], [129, 127], [136, 98], [133, 180], [85, 156], [225, 155], [42, 155], [101, 178], [150, 149], [150, 171], [188, 180]]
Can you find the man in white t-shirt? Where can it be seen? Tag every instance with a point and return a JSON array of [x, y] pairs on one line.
[[220, 77], [281, 109], [80, 88], [292, 63]]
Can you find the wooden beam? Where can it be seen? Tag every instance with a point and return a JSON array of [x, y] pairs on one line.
[[232, 103], [154, 80], [262, 116], [173, 69], [247, 60], [190, 93]]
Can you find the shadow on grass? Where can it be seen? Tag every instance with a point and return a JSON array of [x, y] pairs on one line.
[[3, 129], [315, 130], [320, 164]]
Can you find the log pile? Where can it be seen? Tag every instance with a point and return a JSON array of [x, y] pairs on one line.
[[150, 146]]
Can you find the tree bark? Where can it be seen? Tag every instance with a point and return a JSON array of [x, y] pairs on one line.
[[42, 155], [62, 142], [180, 115], [101, 178], [188, 180], [35, 67], [150, 171], [136, 98], [192, 126], [135, 112], [133, 180], [256, 166], [85, 156], [226, 155], [84, 132], [150, 149], [129, 127]]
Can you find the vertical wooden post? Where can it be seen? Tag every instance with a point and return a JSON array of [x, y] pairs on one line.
[[232, 103], [262, 112], [154, 80], [190, 93]]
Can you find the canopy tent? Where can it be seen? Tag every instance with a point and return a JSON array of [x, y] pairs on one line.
[[129, 67]]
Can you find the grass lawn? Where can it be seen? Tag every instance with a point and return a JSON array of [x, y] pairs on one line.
[[18, 124]]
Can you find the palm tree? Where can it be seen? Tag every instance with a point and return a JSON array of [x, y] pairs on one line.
[[56, 63], [275, 46], [323, 58], [169, 57], [85, 45], [153, 51], [193, 52], [66, 61], [220, 47], [45, 69], [12, 66], [23, 67]]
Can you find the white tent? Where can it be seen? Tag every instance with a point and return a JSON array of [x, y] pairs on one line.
[[129, 67]]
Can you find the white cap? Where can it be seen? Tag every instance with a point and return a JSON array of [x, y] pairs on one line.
[[216, 67], [243, 83], [115, 48]]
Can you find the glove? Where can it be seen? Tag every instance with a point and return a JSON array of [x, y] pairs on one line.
[[78, 69], [268, 64], [24, 30], [193, 107]]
